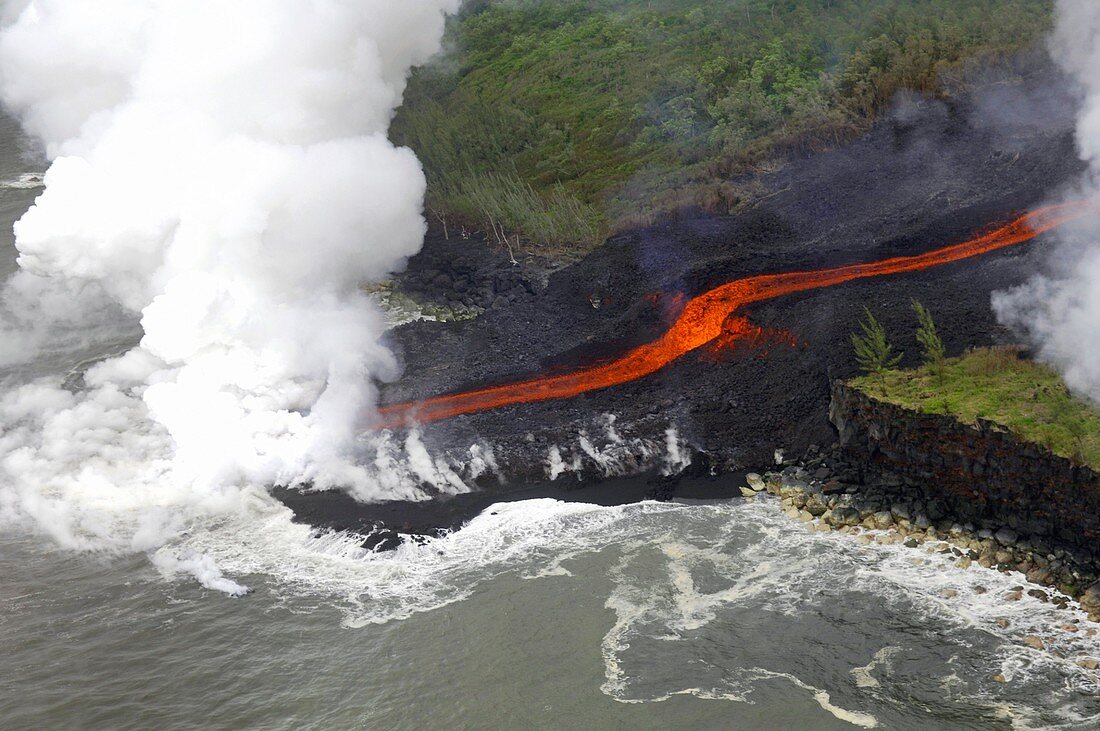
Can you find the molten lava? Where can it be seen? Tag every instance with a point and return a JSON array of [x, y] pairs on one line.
[[710, 317]]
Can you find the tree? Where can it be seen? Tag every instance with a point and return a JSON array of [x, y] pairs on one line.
[[873, 351], [929, 339]]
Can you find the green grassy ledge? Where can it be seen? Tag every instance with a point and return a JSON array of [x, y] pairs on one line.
[[1028, 398]]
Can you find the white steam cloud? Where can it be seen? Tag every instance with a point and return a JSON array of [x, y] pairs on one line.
[[222, 171], [1060, 314]]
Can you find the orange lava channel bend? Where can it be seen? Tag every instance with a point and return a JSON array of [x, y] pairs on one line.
[[703, 320]]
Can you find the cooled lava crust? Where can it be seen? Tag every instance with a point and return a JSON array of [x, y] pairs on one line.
[[929, 174]]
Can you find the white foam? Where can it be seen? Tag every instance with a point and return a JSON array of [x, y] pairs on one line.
[[377, 587], [779, 567], [863, 675], [823, 699], [26, 181]]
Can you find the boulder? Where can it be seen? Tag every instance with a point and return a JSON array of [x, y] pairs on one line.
[[792, 487], [844, 515], [935, 509], [1090, 599], [1034, 642], [883, 519], [1039, 575], [816, 505]]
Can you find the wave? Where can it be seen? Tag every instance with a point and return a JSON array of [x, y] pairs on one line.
[[26, 181], [528, 539], [735, 599], [706, 600]]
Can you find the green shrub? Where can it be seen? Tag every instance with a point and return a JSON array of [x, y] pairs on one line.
[[873, 351], [932, 348]]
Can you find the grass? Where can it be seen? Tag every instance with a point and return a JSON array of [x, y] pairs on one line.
[[603, 114], [1028, 398], [551, 222]]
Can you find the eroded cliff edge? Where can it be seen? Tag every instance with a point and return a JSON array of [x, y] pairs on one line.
[[1026, 508]]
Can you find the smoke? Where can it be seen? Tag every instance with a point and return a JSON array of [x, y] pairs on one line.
[[1060, 313], [221, 172]]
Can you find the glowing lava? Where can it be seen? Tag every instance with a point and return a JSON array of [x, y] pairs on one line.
[[711, 316]]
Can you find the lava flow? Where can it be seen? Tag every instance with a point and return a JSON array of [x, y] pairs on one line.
[[707, 317]]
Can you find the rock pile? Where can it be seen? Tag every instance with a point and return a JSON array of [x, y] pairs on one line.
[[811, 492]]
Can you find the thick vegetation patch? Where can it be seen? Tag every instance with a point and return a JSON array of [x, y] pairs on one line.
[[1028, 398], [559, 121]]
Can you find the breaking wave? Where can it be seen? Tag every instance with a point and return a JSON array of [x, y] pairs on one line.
[[875, 635], [26, 181]]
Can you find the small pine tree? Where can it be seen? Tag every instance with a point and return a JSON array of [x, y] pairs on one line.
[[873, 352], [931, 344]]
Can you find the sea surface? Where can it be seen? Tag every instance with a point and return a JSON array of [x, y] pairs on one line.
[[538, 614]]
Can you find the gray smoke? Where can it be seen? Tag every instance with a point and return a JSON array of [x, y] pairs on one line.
[[1060, 313]]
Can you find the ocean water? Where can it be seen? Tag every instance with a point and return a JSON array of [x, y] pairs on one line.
[[538, 614]]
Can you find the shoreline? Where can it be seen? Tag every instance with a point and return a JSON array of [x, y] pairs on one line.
[[805, 499], [384, 525]]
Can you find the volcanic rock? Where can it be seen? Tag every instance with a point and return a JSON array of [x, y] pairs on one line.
[[1090, 599], [844, 515], [815, 505], [878, 197]]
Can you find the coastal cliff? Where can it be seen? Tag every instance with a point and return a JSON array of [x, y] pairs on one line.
[[981, 472]]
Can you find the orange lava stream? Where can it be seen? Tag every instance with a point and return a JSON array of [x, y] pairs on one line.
[[707, 317]]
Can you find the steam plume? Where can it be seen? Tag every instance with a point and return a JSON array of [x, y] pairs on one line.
[[222, 171], [1060, 314]]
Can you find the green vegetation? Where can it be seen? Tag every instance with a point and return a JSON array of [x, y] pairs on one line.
[[873, 351], [564, 120], [932, 350], [1028, 398]]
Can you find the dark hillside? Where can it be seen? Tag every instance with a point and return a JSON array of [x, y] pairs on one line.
[[931, 173]]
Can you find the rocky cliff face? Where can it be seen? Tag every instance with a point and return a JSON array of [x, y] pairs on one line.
[[981, 473]]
